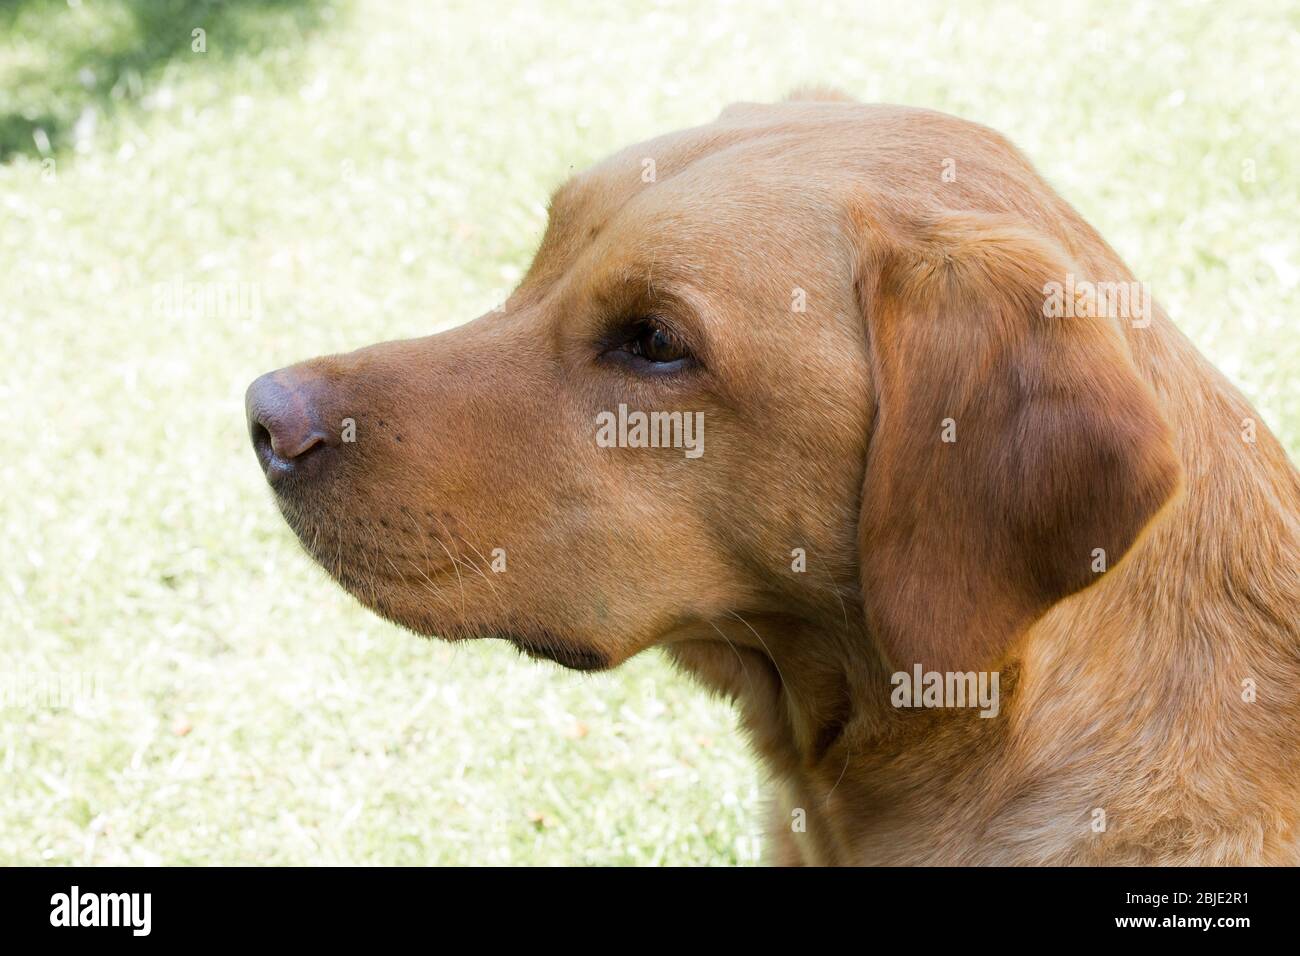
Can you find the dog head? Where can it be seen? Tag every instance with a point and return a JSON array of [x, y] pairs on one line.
[[782, 366]]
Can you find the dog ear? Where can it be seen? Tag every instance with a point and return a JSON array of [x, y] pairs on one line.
[[1008, 446]]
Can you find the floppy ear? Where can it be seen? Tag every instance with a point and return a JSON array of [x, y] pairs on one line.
[[1007, 445]]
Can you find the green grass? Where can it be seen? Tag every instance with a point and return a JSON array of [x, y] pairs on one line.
[[376, 170]]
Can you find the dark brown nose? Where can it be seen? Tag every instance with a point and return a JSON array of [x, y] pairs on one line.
[[285, 424]]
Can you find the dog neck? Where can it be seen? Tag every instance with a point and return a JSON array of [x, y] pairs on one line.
[[1119, 709]]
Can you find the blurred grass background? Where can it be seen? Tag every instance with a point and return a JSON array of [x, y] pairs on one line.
[[368, 170]]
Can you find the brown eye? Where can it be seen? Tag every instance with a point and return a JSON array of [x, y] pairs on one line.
[[654, 344]]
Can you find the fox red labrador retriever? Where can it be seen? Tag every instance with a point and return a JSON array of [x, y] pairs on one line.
[[847, 410]]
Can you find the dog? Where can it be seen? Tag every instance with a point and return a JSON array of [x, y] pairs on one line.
[[843, 407]]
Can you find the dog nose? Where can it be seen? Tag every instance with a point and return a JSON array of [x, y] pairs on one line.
[[284, 422]]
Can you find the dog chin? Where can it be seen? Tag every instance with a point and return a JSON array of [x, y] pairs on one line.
[[391, 597], [542, 645], [550, 647]]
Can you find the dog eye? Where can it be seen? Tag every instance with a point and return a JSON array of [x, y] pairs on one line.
[[655, 344]]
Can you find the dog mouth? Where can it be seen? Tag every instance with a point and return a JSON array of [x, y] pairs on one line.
[[542, 645], [423, 596]]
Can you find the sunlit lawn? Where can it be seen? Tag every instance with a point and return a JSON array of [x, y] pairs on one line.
[[371, 170]]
